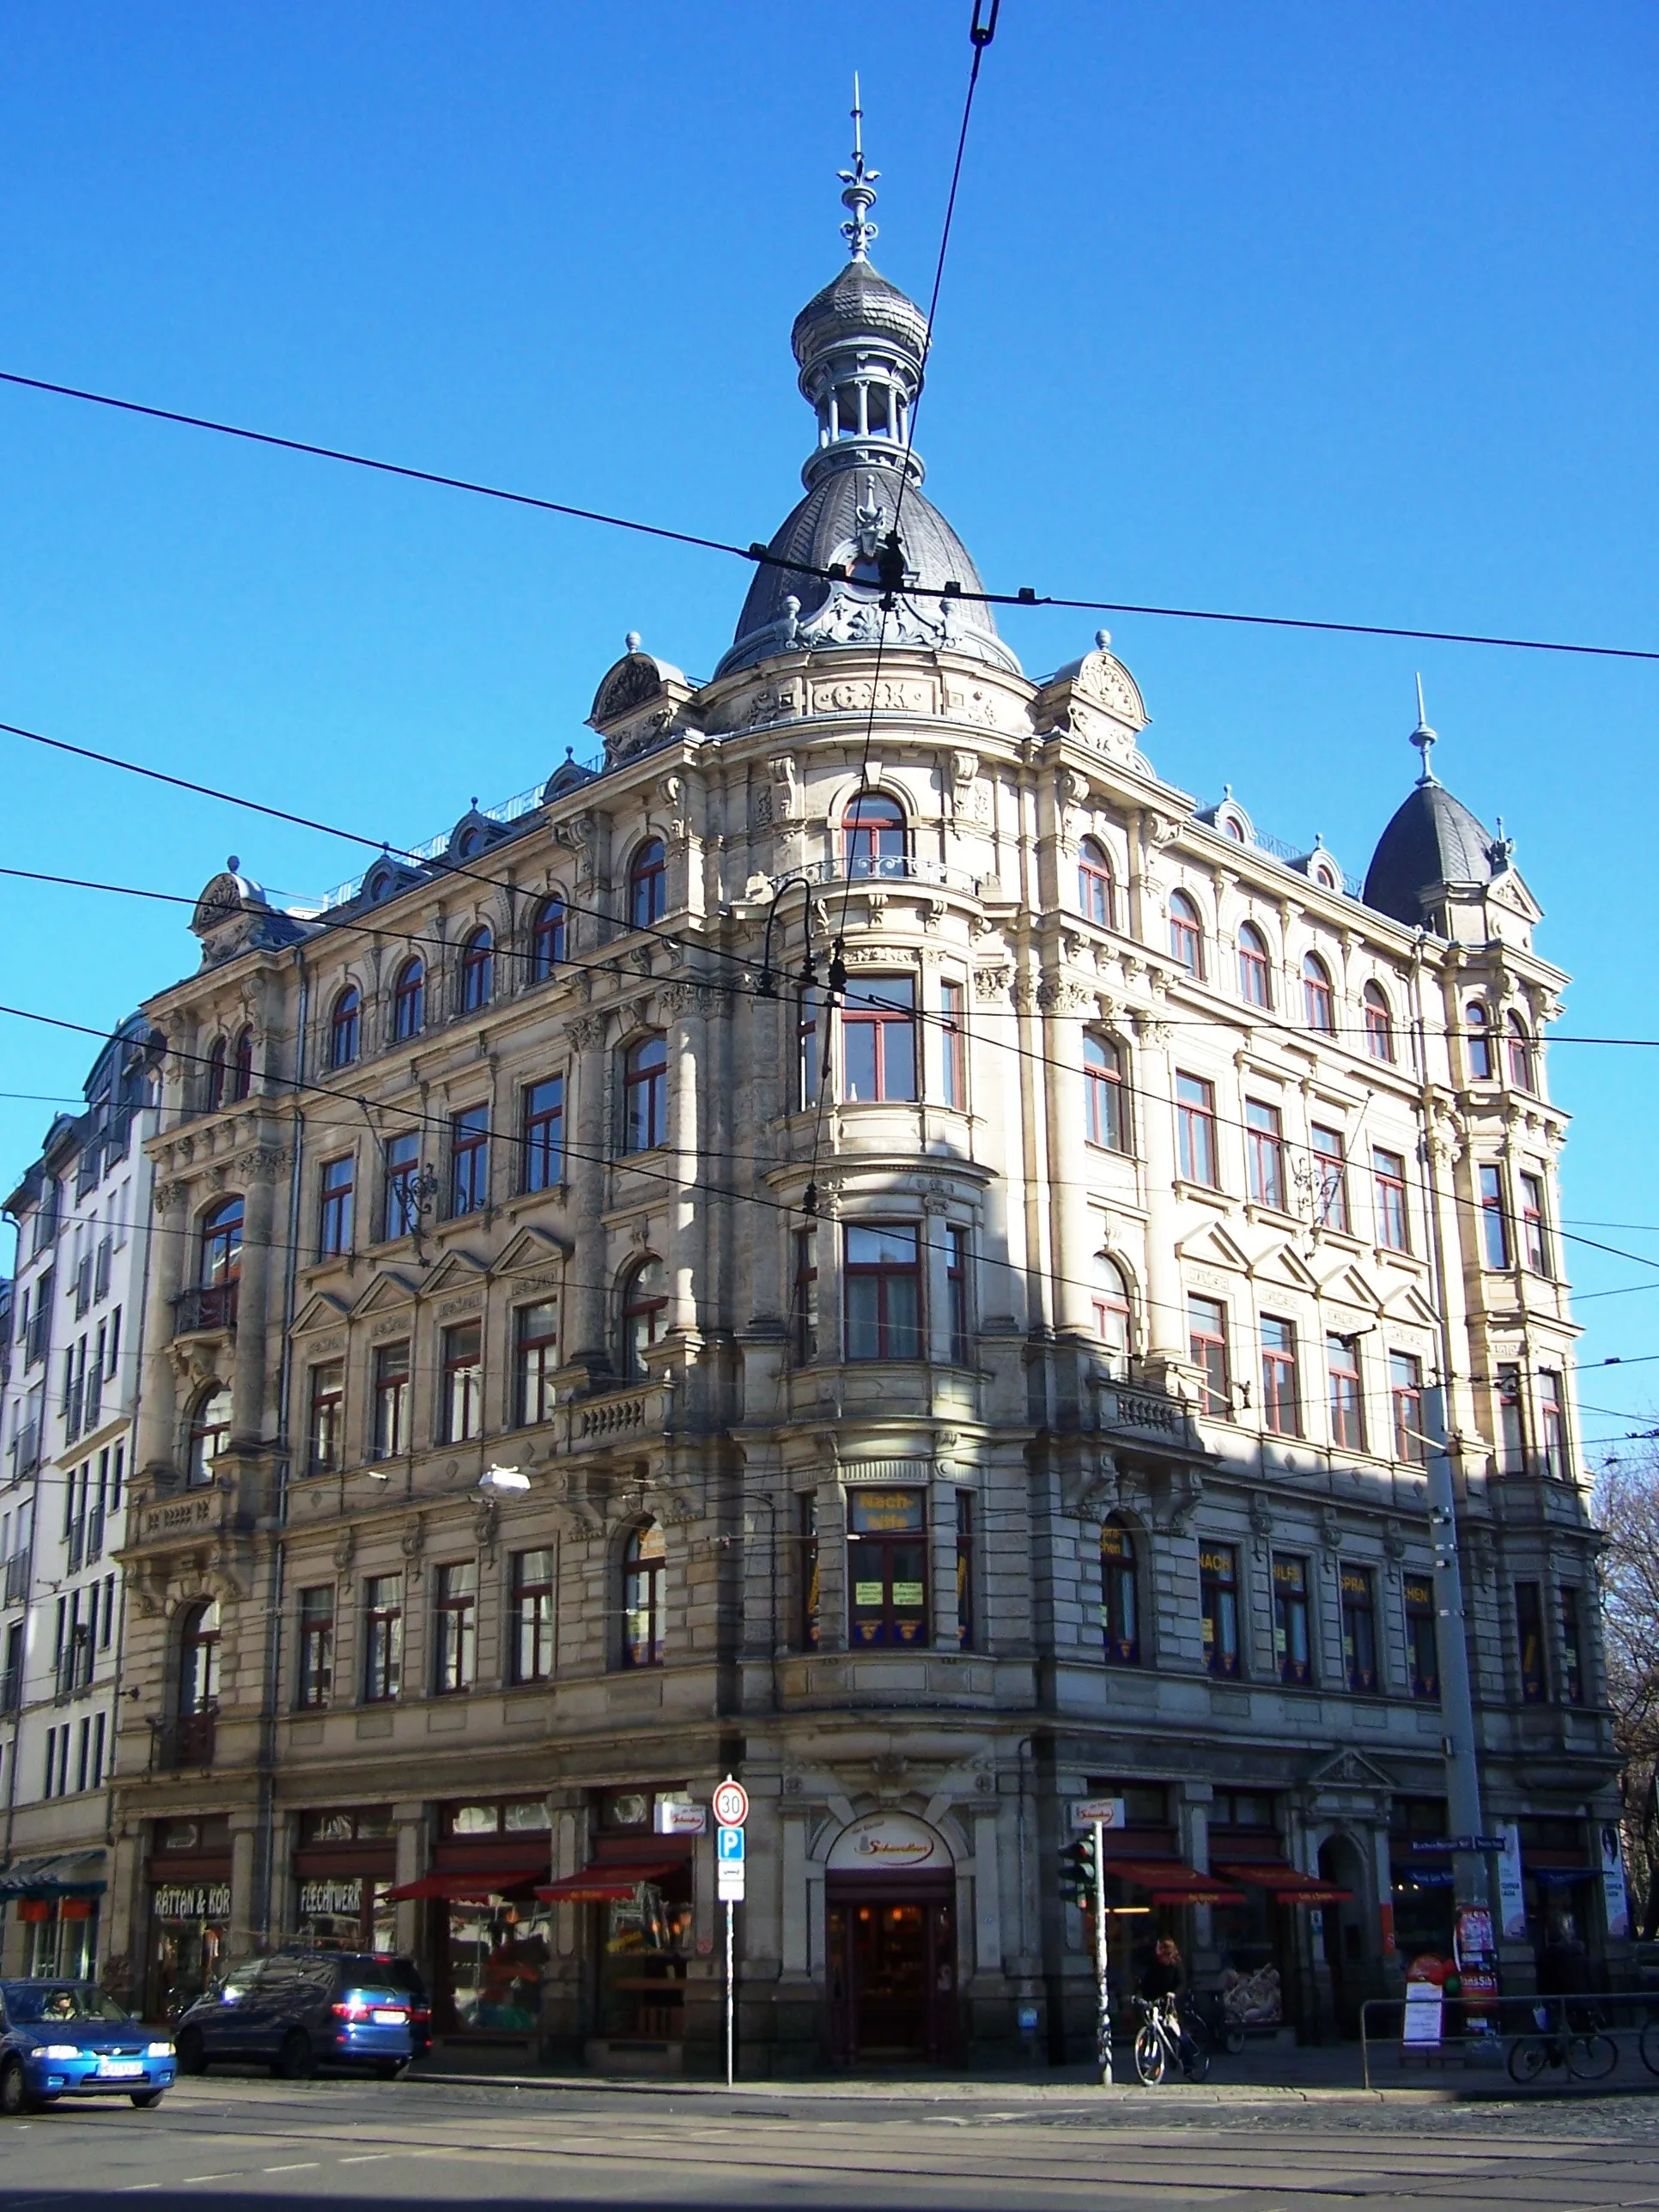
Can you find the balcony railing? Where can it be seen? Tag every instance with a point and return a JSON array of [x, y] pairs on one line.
[[26, 1449], [208, 1306], [1133, 1409], [92, 1398], [17, 1578], [82, 1286], [101, 1271], [185, 1742], [72, 1403], [886, 868], [95, 1535], [11, 1689], [75, 1667]]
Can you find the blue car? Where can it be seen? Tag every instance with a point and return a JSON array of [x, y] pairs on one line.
[[69, 2040]]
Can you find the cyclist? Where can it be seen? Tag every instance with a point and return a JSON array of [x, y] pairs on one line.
[[1164, 1981]]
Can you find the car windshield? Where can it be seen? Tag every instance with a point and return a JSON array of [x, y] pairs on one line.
[[58, 2000]]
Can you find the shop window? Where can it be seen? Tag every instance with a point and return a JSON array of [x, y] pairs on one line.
[[645, 1567], [1264, 1143], [544, 1134], [345, 1028], [536, 1362], [1347, 1398], [1535, 1235], [878, 1041], [648, 885], [1553, 1424], [1096, 894], [408, 1001], [334, 1207], [887, 1567], [209, 1432], [1255, 967], [1379, 1023], [469, 1160], [1572, 1648], [1292, 1637], [1281, 1393], [477, 971], [383, 1638], [1318, 999], [1120, 1596], [1405, 1402], [547, 939], [1422, 1642], [316, 1672], [1529, 1638], [532, 1588], [1389, 1177], [1105, 1101], [644, 1306], [1330, 1174], [1494, 1220], [391, 1399], [1218, 1609], [403, 1187], [954, 1047], [1110, 1303], [1511, 1421], [884, 1290], [647, 1946], [874, 838], [325, 1425], [1207, 1345], [804, 1306], [966, 1570], [809, 1627], [461, 1406], [1186, 934], [1358, 1593], [1196, 1130], [456, 1657], [645, 1094], [1477, 1042]]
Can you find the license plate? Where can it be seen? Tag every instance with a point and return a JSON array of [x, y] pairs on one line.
[[119, 2069], [390, 2019]]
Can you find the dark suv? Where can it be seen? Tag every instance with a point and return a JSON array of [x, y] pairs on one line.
[[297, 2010]]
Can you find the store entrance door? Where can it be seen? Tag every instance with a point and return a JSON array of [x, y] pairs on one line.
[[892, 1970]]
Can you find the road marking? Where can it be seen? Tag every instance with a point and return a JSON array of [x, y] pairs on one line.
[[365, 2157], [229, 2174], [300, 2165]]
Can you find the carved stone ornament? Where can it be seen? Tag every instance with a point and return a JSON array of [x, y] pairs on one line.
[[992, 983], [485, 1523], [585, 1031], [263, 1163], [167, 1197], [852, 695]]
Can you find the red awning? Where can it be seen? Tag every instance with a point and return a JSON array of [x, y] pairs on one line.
[[465, 1889], [1171, 1883], [1284, 1882], [605, 1881]]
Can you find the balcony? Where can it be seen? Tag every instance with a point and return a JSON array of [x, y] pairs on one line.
[[1138, 1413], [25, 1449], [17, 1578], [209, 1308], [75, 1665], [11, 1689], [72, 1403], [184, 1742], [884, 868], [84, 1287], [95, 1535], [100, 1273], [92, 1399]]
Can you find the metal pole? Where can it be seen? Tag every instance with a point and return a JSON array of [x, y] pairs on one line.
[[1103, 1987], [731, 2004]]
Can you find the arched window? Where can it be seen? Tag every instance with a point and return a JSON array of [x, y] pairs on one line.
[[199, 1661], [222, 1264], [1111, 1311], [1106, 1116], [1096, 894], [1120, 1598], [209, 1432], [1254, 973], [645, 1094], [547, 939], [477, 970], [648, 885], [343, 1026], [242, 1083], [1318, 999], [1186, 933], [876, 840], [1477, 1035], [1379, 1023], [645, 1300], [409, 999], [1522, 1070], [645, 1563], [216, 1076]]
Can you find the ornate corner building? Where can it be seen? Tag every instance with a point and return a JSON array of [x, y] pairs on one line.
[[868, 1242]]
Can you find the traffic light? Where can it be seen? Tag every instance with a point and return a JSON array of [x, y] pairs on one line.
[[1077, 1879]]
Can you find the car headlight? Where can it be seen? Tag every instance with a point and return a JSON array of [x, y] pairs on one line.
[[158, 2051], [61, 2051]]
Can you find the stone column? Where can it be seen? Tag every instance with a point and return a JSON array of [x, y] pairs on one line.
[[240, 1941], [259, 1169], [169, 1257], [410, 1822], [585, 1319], [1072, 1231]]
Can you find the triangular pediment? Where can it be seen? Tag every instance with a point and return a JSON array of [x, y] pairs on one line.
[[1347, 1286], [533, 1247], [1286, 1265], [1408, 1304], [388, 1291], [1509, 890], [1350, 1769], [322, 1310], [456, 1271], [1212, 1245]]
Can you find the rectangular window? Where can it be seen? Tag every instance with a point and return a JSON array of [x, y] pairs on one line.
[[884, 1292], [392, 1385], [469, 1160], [1494, 1218], [1359, 1628], [316, 1685], [1529, 1640], [403, 1177], [383, 1643], [1264, 1135], [805, 1306], [879, 1040], [1196, 1130], [544, 1134], [99, 1726], [536, 1362], [1388, 1174], [1218, 1609], [463, 1382], [808, 1628], [1206, 1342], [457, 1602], [1347, 1398], [1405, 1396], [334, 1223], [887, 1566], [957, 1282], [1293, 1641], [1572, 1650], [1106, 1107], [1281, 1394], [1535, 1232], [953, 1046], [1120, 1598], [966, 1570], [532, 1616], [325, 1429], [1422, 1645], [1553, 1425], [1511, 1421], [809, 1038]]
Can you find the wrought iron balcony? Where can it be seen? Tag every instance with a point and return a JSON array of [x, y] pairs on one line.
[[208, 1306], [17, 1578]]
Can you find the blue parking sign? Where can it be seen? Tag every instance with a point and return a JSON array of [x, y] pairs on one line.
[[728, 1844]]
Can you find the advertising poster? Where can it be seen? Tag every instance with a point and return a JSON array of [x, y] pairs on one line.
[[1511, 1890], [1477, 1968], [1614, 1897]]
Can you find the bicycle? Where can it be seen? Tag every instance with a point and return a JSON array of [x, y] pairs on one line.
[[1585, 2053], [1647, 2046], [1163, 2036]]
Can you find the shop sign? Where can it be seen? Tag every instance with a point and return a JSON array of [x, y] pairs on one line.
[[1511, 1889], [331, 1900], [190, 1900], [1614, 1897], [676, 1816], [1108, 1811], [1420, 2030], [882, 1843]]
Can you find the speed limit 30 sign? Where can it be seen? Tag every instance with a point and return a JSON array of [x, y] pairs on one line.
[[731, 1804]]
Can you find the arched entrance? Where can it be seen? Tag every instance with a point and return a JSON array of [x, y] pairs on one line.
[[889, 1900], [1342, 1864]]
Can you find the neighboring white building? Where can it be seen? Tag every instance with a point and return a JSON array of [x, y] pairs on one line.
[[82, 1218]]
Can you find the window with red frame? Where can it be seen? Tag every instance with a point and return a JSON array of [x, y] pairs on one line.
[[461, 1405], [1494, 1218], [334, 1207], [547, 939], [644, 1307], [1553, 1424], [241, 1079], [875, 838], [1264, 1145], [408, 1001], [645, 1094], [883, 1279], [1393, 1222], [544, 1134], [1110, 1303], [326, 1425], [879, 1040], [1281, 1396], [1207, 1344], [477, 971], [1318, 999], [1097, 893], [1330, 1167], [953, 1046], [645, 1570], [216, 1076], [1379, 1023], [536, 1361], [1196, 1130], [1106, 1120], [345, 1028], [647, 884], [1406, 1398], [1534, 1235], [469, 1160], [1523, 1072], [1477, 1042], [1186, 933], [1254, 969], [1347, 1400]]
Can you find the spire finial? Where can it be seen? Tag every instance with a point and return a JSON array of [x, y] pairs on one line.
[[859, 195], [1424, 738]]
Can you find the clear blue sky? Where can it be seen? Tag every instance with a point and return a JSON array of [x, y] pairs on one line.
[[1345, 311]]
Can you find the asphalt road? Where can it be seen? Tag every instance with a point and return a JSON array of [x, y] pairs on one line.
[[245, 2142]]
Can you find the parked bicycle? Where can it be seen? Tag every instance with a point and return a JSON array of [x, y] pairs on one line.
[[1165, 2040], [1583, 2050], [1646, 2045]]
